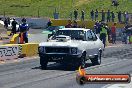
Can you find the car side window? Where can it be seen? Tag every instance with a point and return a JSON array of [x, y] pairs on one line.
[[89, 36], [94, 36]]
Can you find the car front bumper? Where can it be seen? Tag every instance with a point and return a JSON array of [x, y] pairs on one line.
[[60, 57]]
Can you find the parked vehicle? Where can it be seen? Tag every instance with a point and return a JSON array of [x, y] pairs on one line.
[[51, 29]]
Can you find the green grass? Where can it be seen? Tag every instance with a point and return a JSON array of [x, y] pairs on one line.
[[64, 7]]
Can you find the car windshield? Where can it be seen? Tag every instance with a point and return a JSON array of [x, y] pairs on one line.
[[74, 34]]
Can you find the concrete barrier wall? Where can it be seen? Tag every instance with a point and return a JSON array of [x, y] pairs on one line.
[[8, 52], [28, 49], [12, 51], [35, 22], [87, 24]]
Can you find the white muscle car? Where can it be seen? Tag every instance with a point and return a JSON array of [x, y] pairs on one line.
[[71, 46]]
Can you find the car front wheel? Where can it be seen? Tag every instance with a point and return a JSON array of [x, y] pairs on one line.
[[82, 61], [43, 63]]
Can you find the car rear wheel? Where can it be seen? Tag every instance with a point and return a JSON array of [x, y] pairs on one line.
[[43, 63]]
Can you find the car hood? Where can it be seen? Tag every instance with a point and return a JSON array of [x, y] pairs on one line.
[[71, 43]]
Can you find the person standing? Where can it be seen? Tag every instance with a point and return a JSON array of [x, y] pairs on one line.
[[76, 14], [113, 33], [108, 32], [127, 18], [14, 23], [113, 16], [23, 28], [83, 13], [75, 24], [103, 34], [69, 25], [103, 15], [108, 16], [96, 15], [96, 29], [119, 16], [8, 21], [124, 15], [92, 15], [49, 23], [5, 23]]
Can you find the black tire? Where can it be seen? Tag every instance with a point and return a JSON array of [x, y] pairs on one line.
[[97, 59], [82, 61], [82, 80], [43, 63]]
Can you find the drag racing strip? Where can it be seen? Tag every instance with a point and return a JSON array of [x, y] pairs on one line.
[[106, 68], [31, 76], [27, 73], [59, 79]]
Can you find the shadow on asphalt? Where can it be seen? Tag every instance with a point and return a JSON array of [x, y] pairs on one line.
[[57, 66]]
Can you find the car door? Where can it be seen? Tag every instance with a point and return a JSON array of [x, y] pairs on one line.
[[95, 43], [90, 43]]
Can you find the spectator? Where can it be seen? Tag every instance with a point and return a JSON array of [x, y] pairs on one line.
[[96, 15], [76, 14], [24, 31], [83, 13], [108, 31], [108, 16], [113, 16], [14, 23], [113, 33], [49, 23], [99, 26], [124, 16], [119, 16], [127, 18], [96, 27], [103, 34], [92, 15], [6, 23], [75, 24], [69, 25], [115, 3], [103, 15]]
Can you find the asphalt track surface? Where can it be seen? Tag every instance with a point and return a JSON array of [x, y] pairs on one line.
[[27, 74]]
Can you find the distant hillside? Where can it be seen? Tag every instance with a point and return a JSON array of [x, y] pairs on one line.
[[45, 8]]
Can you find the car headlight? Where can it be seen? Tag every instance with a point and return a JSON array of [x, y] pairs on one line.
[[41, 49], [73, 50]]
